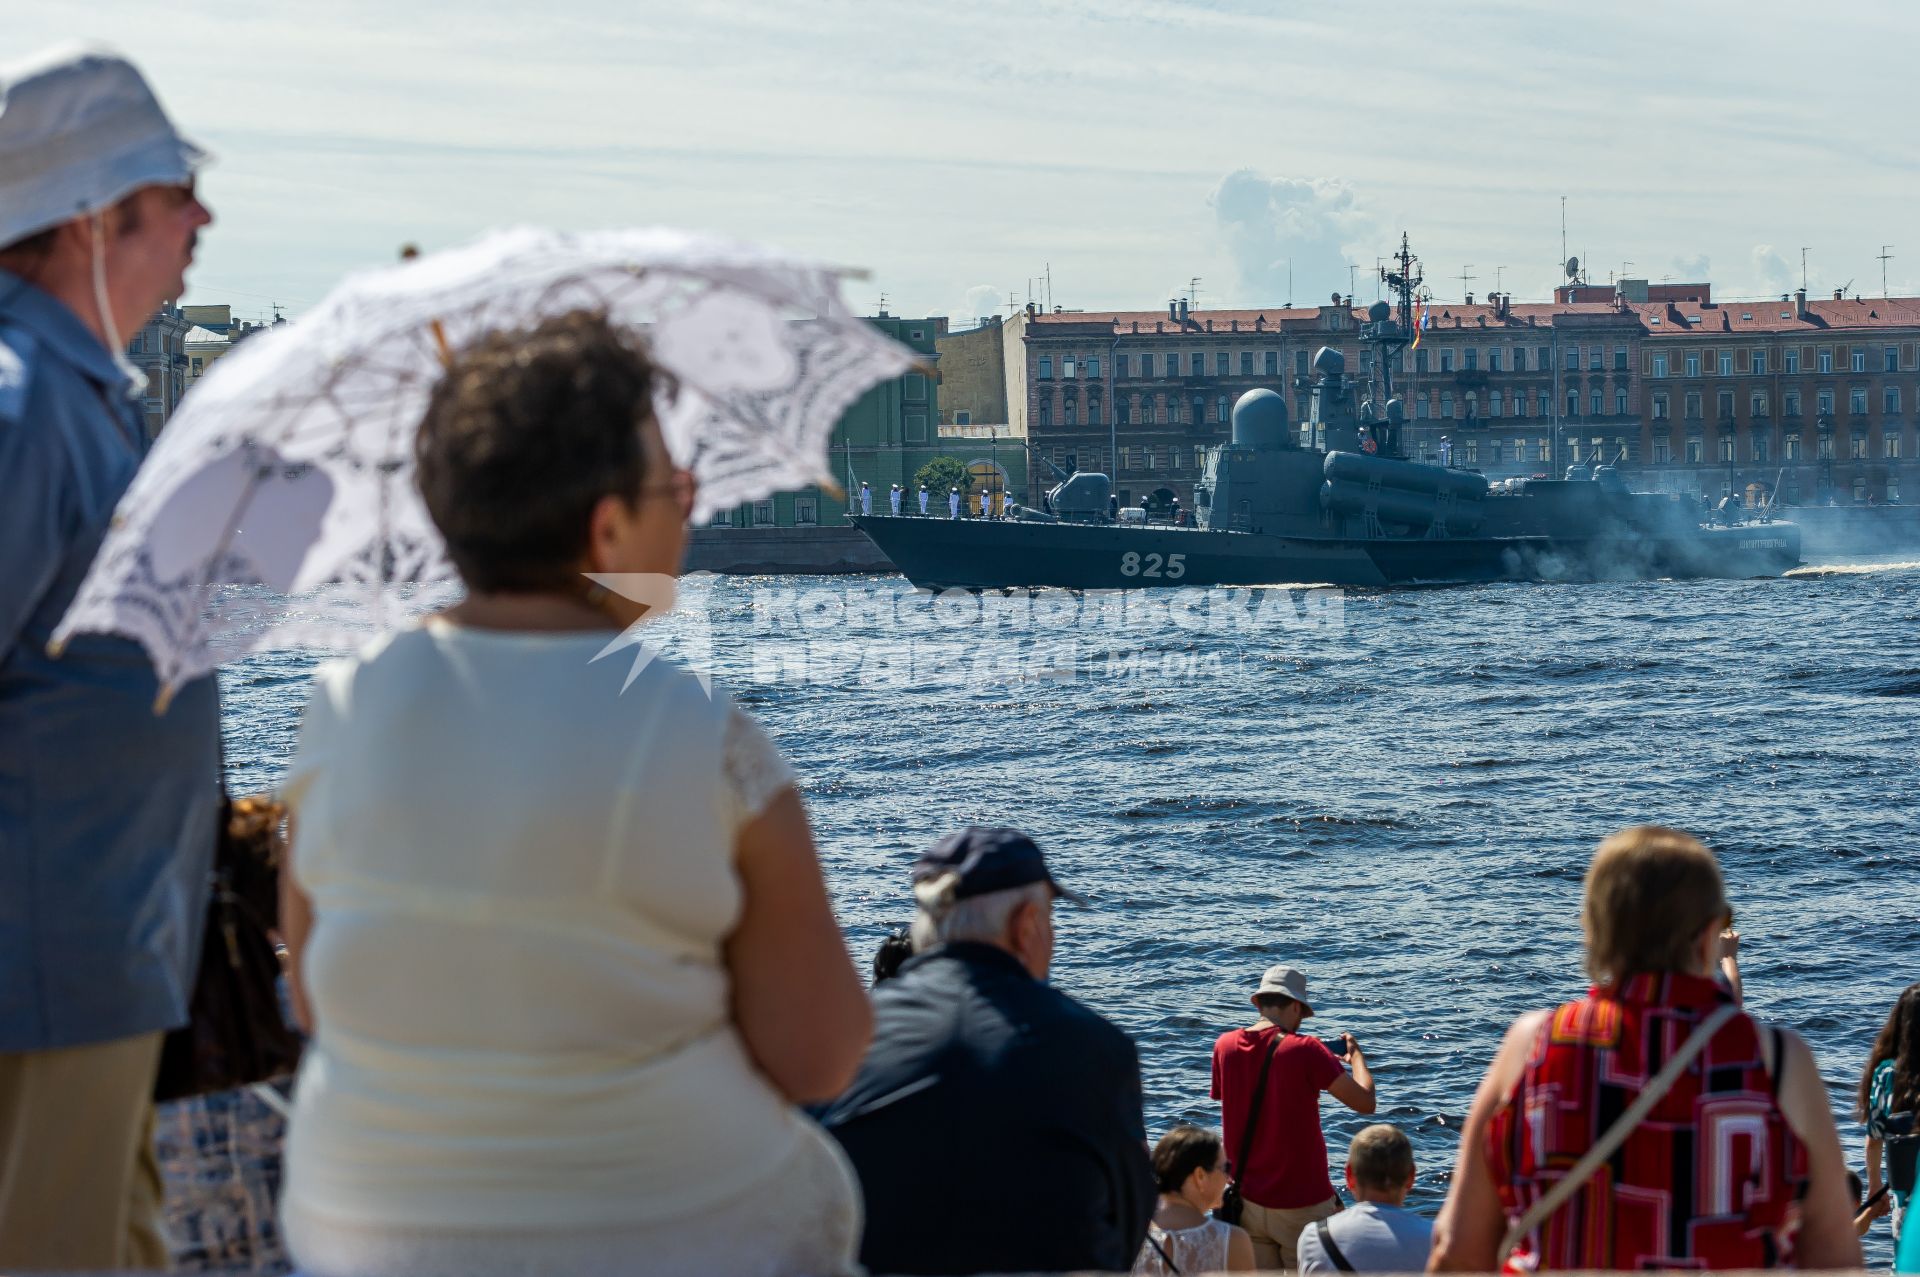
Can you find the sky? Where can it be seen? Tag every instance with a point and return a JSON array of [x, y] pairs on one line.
[[962, 154]]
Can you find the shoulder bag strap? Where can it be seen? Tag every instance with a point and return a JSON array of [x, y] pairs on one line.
[[1253, 1113], [1616, 1135], [1334, 1256], [1165, 1258]]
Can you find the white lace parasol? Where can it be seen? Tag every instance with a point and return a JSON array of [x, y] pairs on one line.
[[290, 465]]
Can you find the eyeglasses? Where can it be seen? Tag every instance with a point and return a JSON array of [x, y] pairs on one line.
[[680, 485]]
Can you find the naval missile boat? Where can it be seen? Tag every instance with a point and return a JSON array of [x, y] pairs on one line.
[[1336, 502]]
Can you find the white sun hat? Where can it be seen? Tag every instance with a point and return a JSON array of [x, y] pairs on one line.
[[79, 130]]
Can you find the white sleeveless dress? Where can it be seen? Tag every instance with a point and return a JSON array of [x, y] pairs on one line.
[[1193, 1250], [522, 876]]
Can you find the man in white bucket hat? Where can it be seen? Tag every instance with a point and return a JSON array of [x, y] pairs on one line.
[[1268, 1079], [106, 809]]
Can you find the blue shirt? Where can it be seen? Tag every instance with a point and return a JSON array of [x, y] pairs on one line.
[[106, 809]]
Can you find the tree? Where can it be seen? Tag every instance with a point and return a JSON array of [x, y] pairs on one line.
[[943, 473]]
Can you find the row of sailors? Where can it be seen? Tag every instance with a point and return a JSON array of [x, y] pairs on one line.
[[955, 501]]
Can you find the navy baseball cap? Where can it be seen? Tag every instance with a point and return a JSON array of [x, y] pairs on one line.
[[989, 860]]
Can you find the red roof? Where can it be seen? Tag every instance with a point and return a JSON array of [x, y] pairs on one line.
[[1707, 318]]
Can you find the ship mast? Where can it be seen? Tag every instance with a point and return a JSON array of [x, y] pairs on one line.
[[1389, 330]]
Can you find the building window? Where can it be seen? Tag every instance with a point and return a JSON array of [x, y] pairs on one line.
[[1693, 365], [1890, 399], [1792, 358], [1198, 363], [1726, 363], [1519, 358], [1220, 363], [1594, 358], [1759, 363], [1422, 408], [1662, 452], [1593, 403], [1790, 402], [1446, 405], [1543, 359], [1472, 449], [916, 423], [1093, 411], [1857, 446], [1757, 403], [1520, 451], [1493, 403], [1573, 403], [1890, 359], [1419, 361], [1446, 361], [1891, 445], [1493, 452], [1220, 409], [1126, 457], [1273, 363], [1299, 363], [1859, 360], [806, 511], [1123, 411], [1660, 408], [1619, 358], [1472, 358], [1573, 359], [1542, 404], [1546, 450], [1493, 361], [1823, 450], [1823, 402], [1146, 364], [962, 417], [1119, 365], [1695, 451], [1726, 447], [1093, 367], [1619, 403], [1066, 367], [1177, 456], [1859, 491], [1790, 447], [1723, 406], [1513, 404], [1146, 457], [1825, 358], [1693, 405], [1046, 368], [762, 513], [1070, 415], [1046, 413], [722, 519], [1857, 401], [1199, 410], [1246, 363], [1759, 447]]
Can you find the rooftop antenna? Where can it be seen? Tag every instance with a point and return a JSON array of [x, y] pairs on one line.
[[1497, 272], [1466, 279], [1379, 273], [883, 303], [1049, 285], [1193, 293], [1563, 233], [1289, 283], [1886, 255], [1803, 266], [1353, 278], [1624, 268]]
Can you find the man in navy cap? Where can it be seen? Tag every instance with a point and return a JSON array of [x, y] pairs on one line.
[[106, 808], [995, 1123]]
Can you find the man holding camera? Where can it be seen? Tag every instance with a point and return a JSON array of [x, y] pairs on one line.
[[1268, 1078]]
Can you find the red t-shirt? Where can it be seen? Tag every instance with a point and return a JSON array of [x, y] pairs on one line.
[[1287, 1160]]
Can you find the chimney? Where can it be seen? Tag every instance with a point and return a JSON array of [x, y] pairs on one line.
[[1469, 299], [1800, 302], [1839, 294], [1183, 310], [1173, 309]]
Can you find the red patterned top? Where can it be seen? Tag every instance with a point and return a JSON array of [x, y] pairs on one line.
[[1711, 1178]]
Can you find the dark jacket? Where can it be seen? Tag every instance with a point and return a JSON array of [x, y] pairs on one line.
[[996, 1125]]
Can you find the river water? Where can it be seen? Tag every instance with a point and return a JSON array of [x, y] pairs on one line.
[[1395, 791]]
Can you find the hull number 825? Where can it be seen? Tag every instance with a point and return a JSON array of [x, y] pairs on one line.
[[1169, 567]]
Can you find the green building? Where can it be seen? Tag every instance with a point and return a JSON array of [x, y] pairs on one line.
[[884, 439]]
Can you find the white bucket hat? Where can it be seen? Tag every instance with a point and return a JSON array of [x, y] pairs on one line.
[[80, 129], [1287, 982]]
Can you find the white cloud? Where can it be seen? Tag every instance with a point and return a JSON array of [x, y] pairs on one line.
[[1770, 272], [980, 301], [1275, 226]]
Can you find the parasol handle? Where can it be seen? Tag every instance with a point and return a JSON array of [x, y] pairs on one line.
[[440, 342]]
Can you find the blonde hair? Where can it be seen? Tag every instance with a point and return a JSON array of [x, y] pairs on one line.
[[1381, 1157], [1649, 893]]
